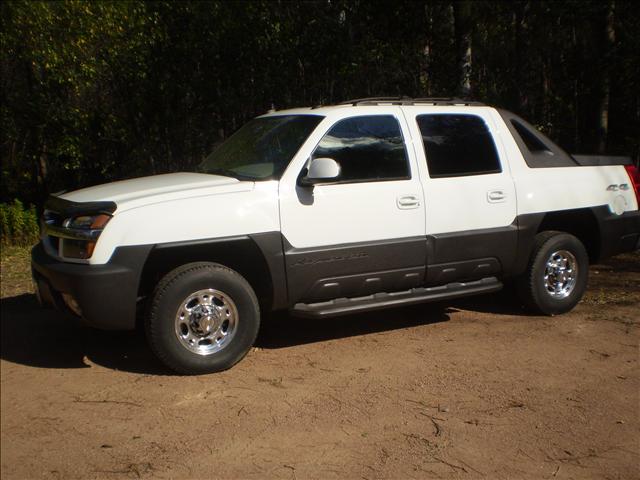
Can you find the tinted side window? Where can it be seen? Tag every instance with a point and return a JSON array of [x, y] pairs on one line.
[[367, 148], [457, 145], [533, 143]]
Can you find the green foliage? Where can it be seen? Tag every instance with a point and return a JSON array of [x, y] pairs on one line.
[[97, 91], [18, 225]]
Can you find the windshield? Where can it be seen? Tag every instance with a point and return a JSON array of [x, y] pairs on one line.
[[262, 148]]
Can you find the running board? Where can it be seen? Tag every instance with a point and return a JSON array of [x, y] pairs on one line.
[[378, 301]]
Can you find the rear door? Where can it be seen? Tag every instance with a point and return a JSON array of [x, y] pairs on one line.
[[469, 193]]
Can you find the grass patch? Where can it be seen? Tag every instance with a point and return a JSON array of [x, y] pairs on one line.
[[18, 224], [15, 271]]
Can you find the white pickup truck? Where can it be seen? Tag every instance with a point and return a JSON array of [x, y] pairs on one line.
[[332, 210]]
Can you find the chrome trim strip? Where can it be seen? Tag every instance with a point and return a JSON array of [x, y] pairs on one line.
[[72, 233]]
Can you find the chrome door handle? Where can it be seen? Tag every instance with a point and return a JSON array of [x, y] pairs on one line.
[[406, 202], [496, 196]]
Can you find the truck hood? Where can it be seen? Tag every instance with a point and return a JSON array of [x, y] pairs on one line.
[[142, 191]]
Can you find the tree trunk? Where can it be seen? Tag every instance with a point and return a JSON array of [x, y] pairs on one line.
[[546, 94], [462, 28], [42, 169], [520, 54], [426, 77], [608, 42]]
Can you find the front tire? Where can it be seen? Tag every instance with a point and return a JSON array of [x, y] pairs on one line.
[[556, 277], [204, 318]]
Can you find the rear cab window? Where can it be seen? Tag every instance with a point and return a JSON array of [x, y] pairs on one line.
[[537, 150], [533, 143]]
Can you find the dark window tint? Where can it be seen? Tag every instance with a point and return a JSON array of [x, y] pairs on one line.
[[458, 145], [367, 148], [533, 143]]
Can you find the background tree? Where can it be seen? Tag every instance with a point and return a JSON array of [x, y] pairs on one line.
[[96, 91]]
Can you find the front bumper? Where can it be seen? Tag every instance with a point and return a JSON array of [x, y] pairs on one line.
[[106, 294]]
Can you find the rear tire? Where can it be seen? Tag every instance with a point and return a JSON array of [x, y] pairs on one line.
[[204, 318], [556, 277]]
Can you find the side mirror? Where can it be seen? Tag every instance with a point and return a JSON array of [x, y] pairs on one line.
[[320, 170]]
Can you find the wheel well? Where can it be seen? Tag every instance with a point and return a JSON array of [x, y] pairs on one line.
[[580, 223], [241, 255]]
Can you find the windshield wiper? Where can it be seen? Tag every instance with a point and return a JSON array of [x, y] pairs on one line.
[[226, 173]]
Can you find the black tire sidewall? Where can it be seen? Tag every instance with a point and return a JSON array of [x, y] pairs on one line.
[[167, 301], [541, 298]]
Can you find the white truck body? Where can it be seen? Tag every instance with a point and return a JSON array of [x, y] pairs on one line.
[[444, 205], [428, 199]]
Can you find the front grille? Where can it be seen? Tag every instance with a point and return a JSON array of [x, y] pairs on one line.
[[54, 243]]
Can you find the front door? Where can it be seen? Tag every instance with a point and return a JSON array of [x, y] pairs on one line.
[[364, 232]]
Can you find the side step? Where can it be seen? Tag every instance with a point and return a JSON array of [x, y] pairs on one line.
[[378, 301]]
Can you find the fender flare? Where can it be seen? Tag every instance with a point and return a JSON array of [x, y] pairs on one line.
[[257, 257]]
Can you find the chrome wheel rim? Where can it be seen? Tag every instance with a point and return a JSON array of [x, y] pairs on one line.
[[560, 274], [206, 321]]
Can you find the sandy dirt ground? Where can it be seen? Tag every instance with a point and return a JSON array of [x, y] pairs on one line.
[[469, 389]]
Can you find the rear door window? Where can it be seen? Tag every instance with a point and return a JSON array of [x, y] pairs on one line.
[[457, 145]]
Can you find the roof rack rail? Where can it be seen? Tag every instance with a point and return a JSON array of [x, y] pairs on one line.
[[447, 101], [411, 101], [373, 100]]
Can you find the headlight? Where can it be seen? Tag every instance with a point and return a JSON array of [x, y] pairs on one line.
[[88, 222], [81, 234]]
